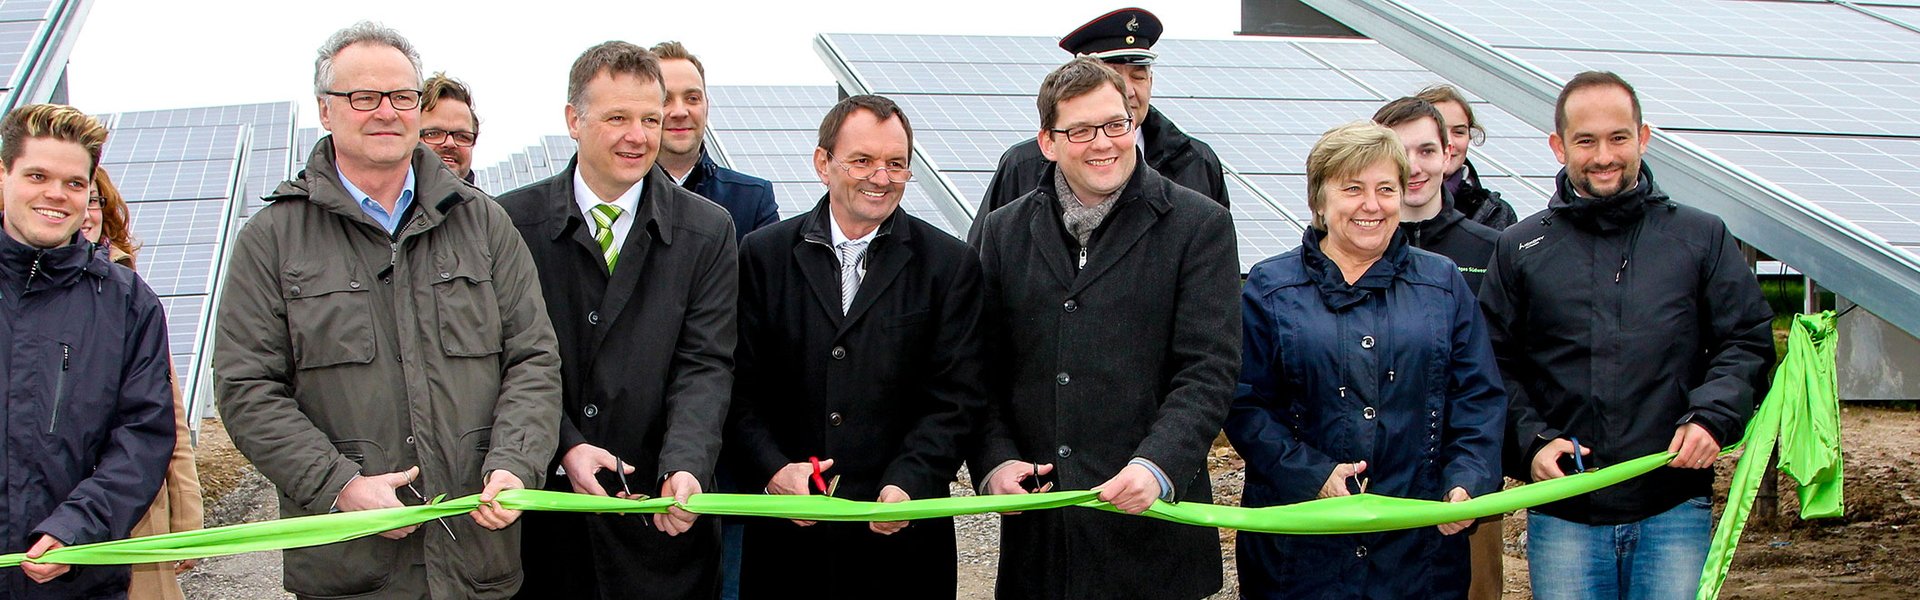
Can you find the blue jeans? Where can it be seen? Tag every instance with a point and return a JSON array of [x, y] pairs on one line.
[[1656, 558], [731, 534]]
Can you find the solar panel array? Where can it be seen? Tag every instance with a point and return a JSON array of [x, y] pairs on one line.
[[185, 174], [1259, 103], [1815, 97], [31, 33]]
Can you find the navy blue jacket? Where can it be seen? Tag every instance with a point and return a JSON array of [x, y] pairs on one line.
[[749, 199], [89, 408], [1395, 370]]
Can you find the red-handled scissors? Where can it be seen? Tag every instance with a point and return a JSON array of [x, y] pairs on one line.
[[821, 482]]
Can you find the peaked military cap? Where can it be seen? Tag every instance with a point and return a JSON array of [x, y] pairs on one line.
[[1123, 36]]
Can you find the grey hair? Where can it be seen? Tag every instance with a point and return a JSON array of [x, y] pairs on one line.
[[364, 31]]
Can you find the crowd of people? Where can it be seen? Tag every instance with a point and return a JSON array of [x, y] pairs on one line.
[[642, 324]]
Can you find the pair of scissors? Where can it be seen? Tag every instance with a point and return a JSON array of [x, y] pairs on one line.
[[442, 521], [821, 482]]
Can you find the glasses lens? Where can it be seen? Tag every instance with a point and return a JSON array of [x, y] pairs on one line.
[[364, 100], [95, 202], [432, 136], [1118, 128], [464, 138], [1080, 134], [404, 99]]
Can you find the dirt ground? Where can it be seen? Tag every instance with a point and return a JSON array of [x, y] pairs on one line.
[[1871, 554]]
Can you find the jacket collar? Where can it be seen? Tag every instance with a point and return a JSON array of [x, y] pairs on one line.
[[1335, 292], [653, 212], [54, 267], [703, 171], [1417, 232], [816, 227], [1124, 227], [1612, 213], [436, 190], [1162, 140]]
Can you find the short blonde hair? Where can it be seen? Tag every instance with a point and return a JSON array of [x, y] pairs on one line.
[[54, 121], [1346, 150]]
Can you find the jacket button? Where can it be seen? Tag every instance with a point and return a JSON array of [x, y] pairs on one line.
[[1367, 413], [1360, 551], [353, 284], [1065, 451], [295, 290], [1433, 413], [409, 440], [835, 419], [590, 411], [1062, 379], [839, 352], [593, 317], [446, 275], [1071, 305], [1366, 342], [386, 280]]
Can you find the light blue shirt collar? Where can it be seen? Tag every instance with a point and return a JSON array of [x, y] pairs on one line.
[[390, 221]]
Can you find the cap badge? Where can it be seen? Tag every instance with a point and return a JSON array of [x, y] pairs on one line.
[[1133, 24]]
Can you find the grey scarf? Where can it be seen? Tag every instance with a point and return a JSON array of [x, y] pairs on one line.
[[1080, 219]]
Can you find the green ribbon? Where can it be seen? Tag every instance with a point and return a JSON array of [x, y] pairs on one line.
[[1349, 514], [1801, 416], [1800, 412]]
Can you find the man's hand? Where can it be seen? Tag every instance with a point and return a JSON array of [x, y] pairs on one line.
[[1546, 462], [583, 461], [679, 486], [791, 480], [1132, 491], [1336, 484], [490, 515], [369, 492], [40, 573], [1456, 495], [890, 494], [1006, 478], [1695, 447]]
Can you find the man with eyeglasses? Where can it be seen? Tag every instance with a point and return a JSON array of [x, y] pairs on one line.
[[640, 277], [1123, 41], [1112, 294], [383, 342], [448, 123], [858, 373]]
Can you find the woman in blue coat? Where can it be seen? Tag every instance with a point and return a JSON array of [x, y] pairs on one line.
[[1365, 367]]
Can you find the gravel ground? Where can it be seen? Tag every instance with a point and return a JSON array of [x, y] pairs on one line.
[[250, 576]]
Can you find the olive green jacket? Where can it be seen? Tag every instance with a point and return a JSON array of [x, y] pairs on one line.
[[344, 351]]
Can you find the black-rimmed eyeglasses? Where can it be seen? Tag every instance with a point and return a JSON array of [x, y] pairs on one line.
[[464, 139], [1085, 133], [366, 100]]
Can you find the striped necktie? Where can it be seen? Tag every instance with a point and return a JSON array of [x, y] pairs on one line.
[[603, 217], [851, 253]]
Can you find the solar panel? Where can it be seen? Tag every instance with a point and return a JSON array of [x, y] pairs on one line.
[[969, 150], [775, 167], [177, 222], [1359, 55], [178, 270], [1758, 94], [25, 10], [172, 144], [178, 180], [16, 40], [187, 310], [1858, 179], [1777, 29]]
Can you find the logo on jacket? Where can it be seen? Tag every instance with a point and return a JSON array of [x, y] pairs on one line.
[[1532, 242]]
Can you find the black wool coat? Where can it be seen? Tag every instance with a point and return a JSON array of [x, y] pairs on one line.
[[647, 359], [1134, 355], [890, 391]]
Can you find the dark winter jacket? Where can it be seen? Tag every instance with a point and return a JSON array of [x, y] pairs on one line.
[[646, 373], [1133, 355], [1481, 205], [89, 408], [891, 391], [1171, 152], [748, 199], [1616, 321], [1453, 235], [1394, 370]]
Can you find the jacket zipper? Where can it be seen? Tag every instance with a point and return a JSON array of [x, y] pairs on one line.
[[1083, 258], [60, 385]]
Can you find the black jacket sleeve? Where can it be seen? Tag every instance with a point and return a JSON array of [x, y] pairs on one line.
[[750, 446], [1737, 325], [1505, 309], [1203, 363]]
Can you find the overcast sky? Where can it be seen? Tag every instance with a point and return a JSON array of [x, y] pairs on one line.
[[143, 54]]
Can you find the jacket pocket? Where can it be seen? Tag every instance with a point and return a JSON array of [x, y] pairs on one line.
[[469, 311], [329, 316], [343, 570]]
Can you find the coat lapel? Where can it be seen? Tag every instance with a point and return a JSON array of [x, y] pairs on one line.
[[1129, 222], [1045, 235], [815, 258]]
